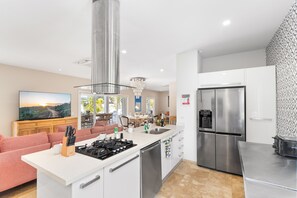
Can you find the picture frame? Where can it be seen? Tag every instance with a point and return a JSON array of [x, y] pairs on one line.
[[138, 103]]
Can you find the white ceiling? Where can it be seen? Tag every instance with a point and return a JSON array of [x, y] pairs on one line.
[[52, 34]]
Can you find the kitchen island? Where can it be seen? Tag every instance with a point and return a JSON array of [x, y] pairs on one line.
[[84, 176], [265, 173]]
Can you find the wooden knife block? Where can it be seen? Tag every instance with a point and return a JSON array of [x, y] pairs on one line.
[[67, 150]]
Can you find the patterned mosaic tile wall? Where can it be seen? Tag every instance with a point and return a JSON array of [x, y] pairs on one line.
[[282, 52]]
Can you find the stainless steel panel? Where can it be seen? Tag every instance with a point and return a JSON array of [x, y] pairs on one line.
[[151, 170], [206, 101], [227, 154], [230, 112], [206, 143], [261, 163], [106, 46]]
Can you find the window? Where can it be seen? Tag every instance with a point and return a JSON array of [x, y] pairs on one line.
[[117, 105], [150, 106], [91, 105]]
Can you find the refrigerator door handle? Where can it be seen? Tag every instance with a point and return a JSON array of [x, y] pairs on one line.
[[233, 134], [260, 119]]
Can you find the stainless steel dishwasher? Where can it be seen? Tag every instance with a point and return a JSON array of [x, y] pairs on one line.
[[151, 170]]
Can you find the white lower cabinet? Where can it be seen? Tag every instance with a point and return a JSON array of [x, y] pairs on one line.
[[181, 145], [166, 159], [90, 186], [176, 152], [122, 178]]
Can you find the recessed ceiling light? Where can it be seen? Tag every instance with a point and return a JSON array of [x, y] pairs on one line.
[[124, 51], [161, 70], [60, 69], [226, 23]]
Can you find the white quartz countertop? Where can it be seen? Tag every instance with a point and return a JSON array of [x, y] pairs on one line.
[[68, 170]]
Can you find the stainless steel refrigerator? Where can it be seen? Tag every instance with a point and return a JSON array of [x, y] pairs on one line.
[[221, 124]]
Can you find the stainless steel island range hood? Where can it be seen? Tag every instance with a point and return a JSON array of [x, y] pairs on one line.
[[105, 48]]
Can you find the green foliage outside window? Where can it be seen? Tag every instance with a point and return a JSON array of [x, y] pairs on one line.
[[88, 104]]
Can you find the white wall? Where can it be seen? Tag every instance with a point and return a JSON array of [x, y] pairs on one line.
[[186, 83], [14, 79], [172, 99], [247, 59], [145, 94], [163, 102]]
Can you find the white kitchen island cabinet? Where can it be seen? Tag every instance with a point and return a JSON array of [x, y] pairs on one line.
[[90, 186], [122, 178], [81, 176]]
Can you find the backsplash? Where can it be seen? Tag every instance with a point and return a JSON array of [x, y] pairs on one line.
[[282, 52]]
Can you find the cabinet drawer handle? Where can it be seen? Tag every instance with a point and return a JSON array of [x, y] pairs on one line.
[[260, 119], [123, 164], [83, 185]]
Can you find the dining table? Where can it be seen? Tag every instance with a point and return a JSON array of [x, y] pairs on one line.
[[138, 120]]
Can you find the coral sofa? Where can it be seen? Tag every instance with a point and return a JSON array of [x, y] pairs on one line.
[[14, 172]]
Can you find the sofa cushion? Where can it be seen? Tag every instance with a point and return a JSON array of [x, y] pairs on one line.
[[112, 126], [101, 123], [86, 137], [14, 143], [110, 131], [83, 132], [55, 137], [98, 129], [14, 171], [62, 128], [1, 138]]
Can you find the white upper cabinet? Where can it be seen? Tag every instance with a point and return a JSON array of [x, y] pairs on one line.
[[222, 78], [260, 85], [261, 104]]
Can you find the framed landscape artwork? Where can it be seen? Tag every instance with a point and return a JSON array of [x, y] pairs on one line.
[[137, 103]]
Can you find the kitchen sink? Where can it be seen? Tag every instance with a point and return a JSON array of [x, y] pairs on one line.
[[158, 130]]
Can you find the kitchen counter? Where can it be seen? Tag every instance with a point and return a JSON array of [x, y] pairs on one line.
[[67, 170], [266, 173]]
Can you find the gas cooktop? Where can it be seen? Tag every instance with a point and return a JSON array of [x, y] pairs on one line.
[[103, 149]]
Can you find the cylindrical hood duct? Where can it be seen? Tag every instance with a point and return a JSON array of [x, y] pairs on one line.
[[105, 46]]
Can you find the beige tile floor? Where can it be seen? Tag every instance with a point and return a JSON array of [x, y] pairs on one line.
[[187, 181], [190, 181]]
